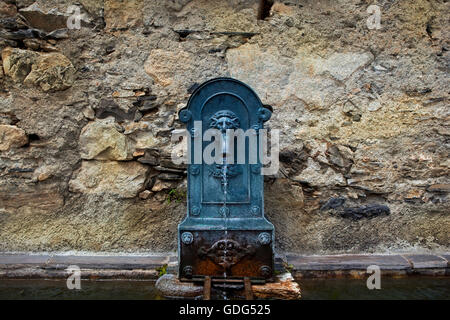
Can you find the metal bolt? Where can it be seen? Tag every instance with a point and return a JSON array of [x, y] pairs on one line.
[[255, 210], [264, 238], [195, 211], [187, 237], [265, 271], [187, 271]]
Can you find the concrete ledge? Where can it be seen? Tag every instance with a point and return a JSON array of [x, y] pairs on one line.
[[23, 259], [348, 262], [22, 266], [145, 267], [424, 261], [92, 262], [356, 265], [86, 274]]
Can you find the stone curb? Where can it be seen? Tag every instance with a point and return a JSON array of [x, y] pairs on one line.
[[145, 267], [91, 262], [86, 274], [22, 266], [356, 265]]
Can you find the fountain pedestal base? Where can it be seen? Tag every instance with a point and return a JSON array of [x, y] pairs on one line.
[[283, 288], [236, 254]]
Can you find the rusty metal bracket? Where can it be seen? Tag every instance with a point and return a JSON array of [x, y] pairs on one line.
[[246, 282], [248, 289], [207, 288]]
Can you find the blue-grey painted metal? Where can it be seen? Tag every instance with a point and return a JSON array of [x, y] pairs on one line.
[[225, 233]]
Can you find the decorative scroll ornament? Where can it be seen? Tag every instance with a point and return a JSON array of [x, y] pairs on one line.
[[223, 120], [226, 252], [224, 172], [185, 115], [264, 114]]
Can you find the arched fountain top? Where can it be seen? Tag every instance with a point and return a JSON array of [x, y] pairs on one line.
[[224, 86]]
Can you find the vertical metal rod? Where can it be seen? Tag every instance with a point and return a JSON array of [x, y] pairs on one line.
[[248, 289], [207, 288]]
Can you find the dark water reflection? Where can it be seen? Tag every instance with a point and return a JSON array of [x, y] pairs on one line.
[[92, 290], [404, 288], [410, 288]]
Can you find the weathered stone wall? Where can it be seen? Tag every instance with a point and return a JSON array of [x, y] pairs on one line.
[[86, 117]]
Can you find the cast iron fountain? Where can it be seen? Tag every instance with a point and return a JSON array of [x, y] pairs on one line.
[[225, 236]]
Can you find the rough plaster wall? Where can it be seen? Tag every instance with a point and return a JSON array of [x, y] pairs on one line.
[[86, 117]]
